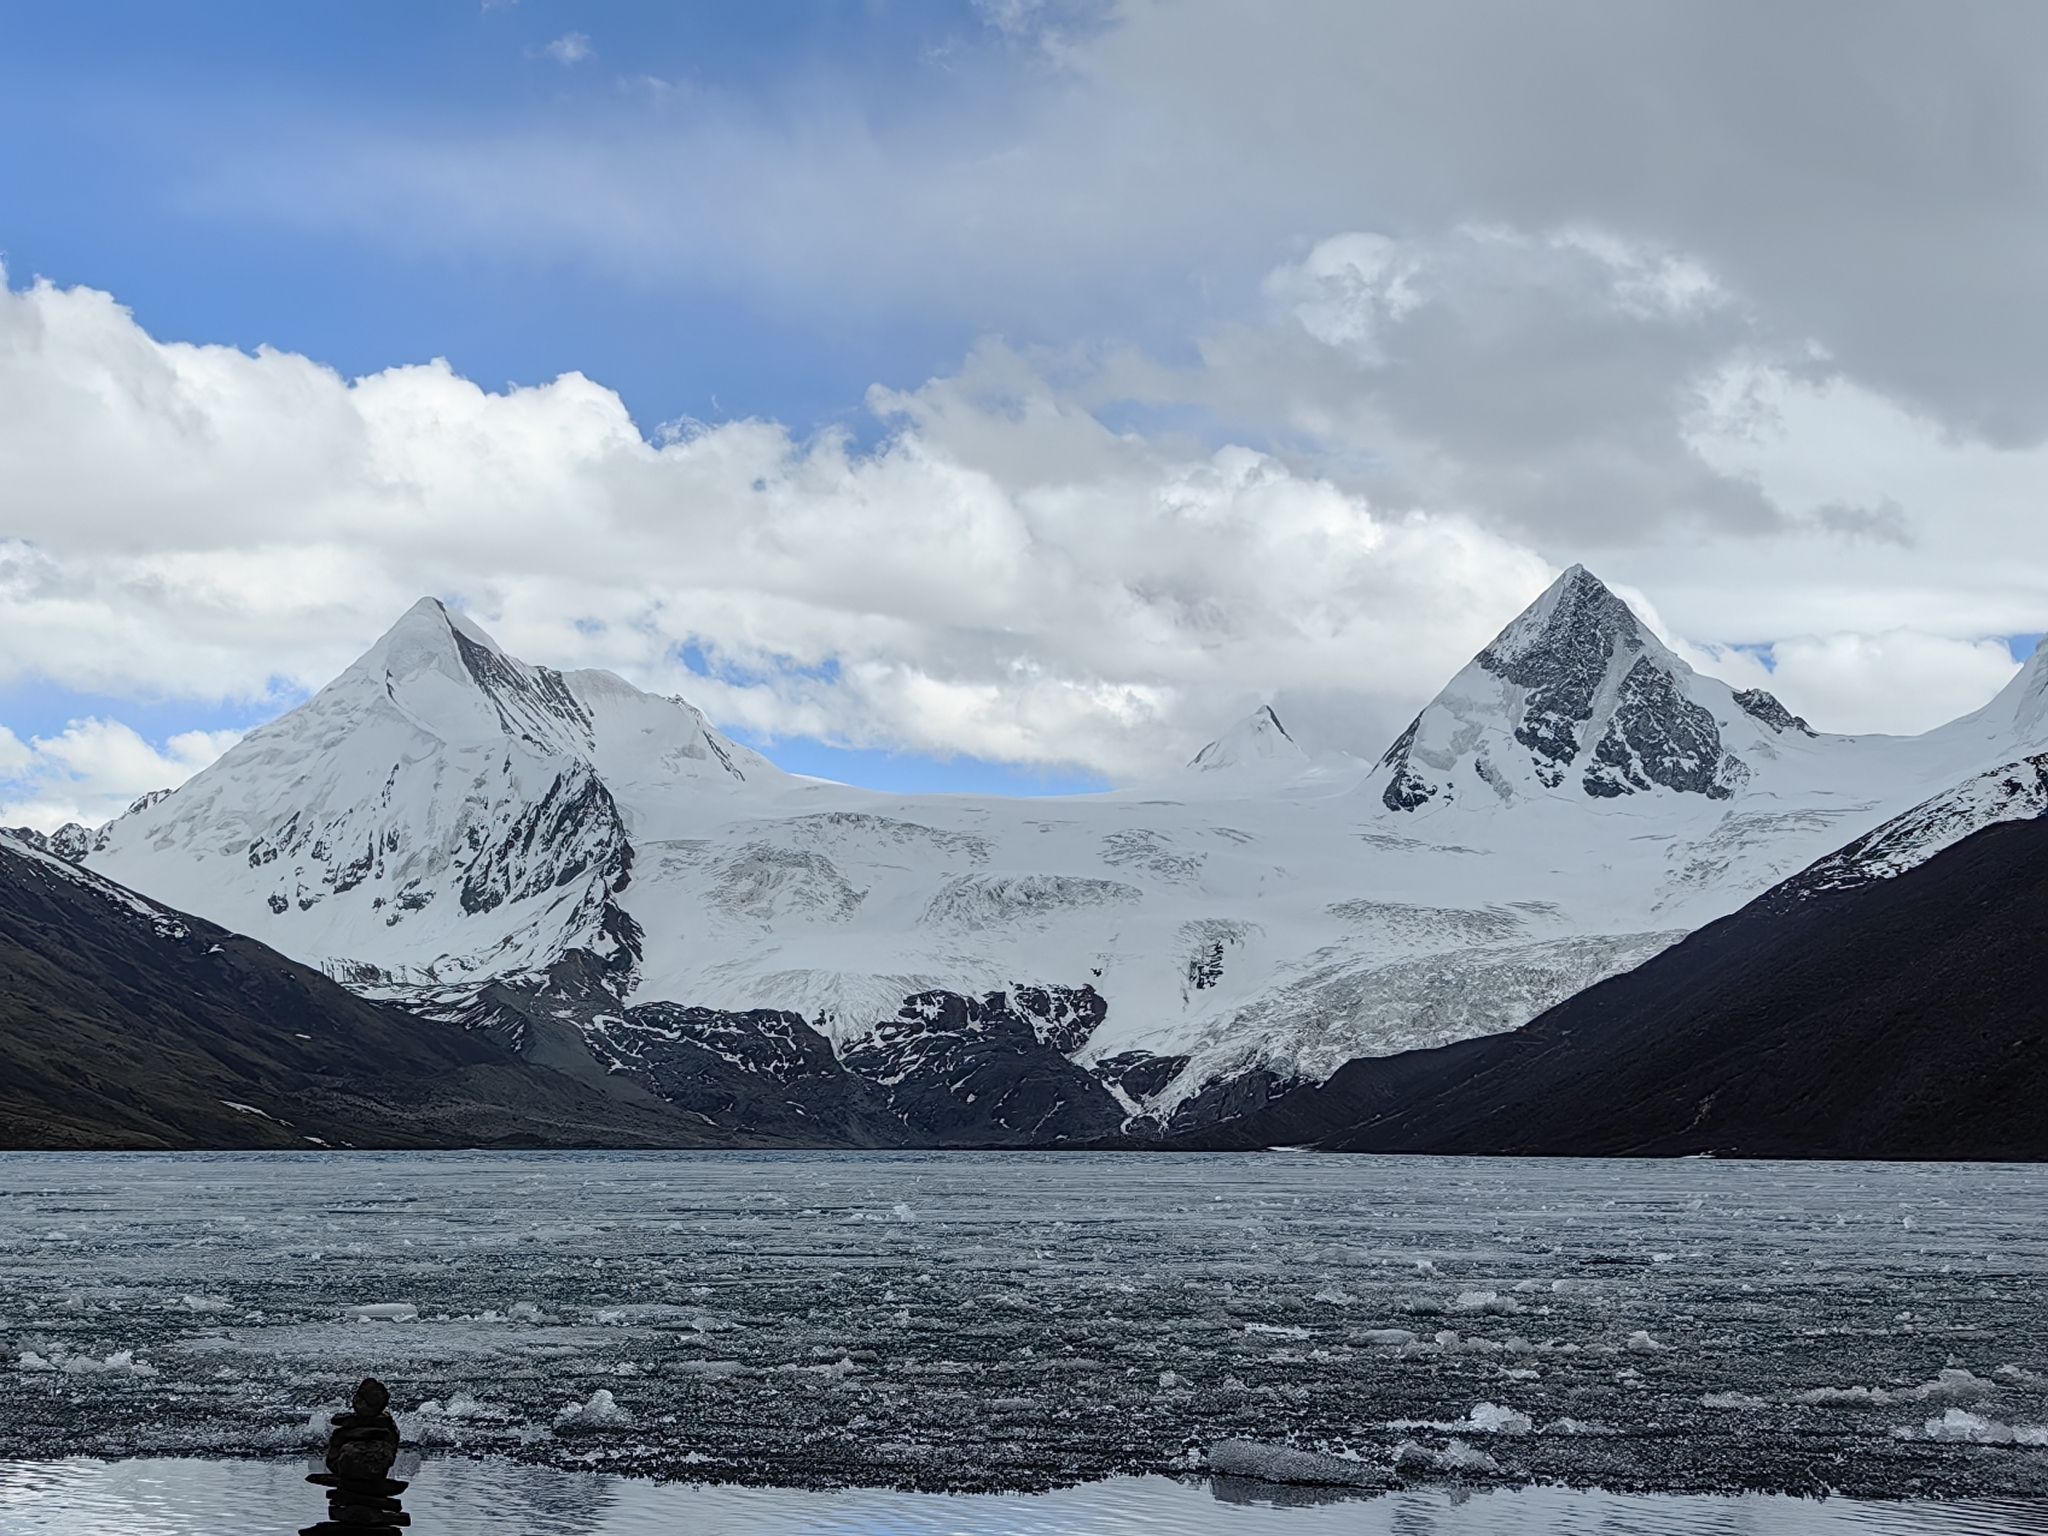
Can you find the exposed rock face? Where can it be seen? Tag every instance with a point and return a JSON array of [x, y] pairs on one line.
[[1584, 691], [70, 841], [1764, 706], [990, 1069], [948, 1069], [1406, 788], [1658, 736], [1563, 666]]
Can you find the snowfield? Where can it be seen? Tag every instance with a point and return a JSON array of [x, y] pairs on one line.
[[985, 1321]]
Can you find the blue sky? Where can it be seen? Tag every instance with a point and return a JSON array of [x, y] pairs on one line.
[[131, 101], [1012, 393]]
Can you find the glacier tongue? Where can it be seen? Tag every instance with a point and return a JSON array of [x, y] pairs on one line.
[[591, 868]]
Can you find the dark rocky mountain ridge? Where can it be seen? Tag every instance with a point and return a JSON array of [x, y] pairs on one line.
[[124, 1024]]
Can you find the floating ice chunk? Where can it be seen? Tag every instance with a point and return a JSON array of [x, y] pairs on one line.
[[2019, 1375], [121, 1362], [462, 1405], [1456, 1457], [1573, 1427], [1287, 1464], [1331, 1295], [1962, 1425], [437, 1423], [599, 1412], [1389, 1336], [1948, 1386], [386, 1312], [1492, 1419], [203, 1304], [1276, 1330], [1641, 1343], [901, 1212], [1740, 1401], [1485, 1301]]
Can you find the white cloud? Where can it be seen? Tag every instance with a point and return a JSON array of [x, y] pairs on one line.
[[93, 769], [569, 48], [1004, 574]]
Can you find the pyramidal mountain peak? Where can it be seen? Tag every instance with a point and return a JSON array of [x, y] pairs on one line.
[[1576, 697], [1258, 742]]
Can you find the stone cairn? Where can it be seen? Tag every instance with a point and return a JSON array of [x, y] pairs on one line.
[[362, 1497]]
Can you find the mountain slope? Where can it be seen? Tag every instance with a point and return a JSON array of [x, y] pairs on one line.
[[1888, 1002], [126, 1024], [590, 873]]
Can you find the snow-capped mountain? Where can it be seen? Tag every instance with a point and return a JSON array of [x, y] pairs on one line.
[[586, 868], [1259, 743], [440, 811]]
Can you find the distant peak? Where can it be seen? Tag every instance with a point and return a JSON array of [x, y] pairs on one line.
[[1579, 613], [1264, 717], [1258, 738]]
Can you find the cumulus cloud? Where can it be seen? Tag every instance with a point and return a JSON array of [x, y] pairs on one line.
[[1002, 575], [1005, 572], [93, 769]]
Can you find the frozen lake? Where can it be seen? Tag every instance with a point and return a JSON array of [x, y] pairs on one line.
[[1011, 1322]]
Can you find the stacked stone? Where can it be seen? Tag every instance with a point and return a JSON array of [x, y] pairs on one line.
[[362, 1497]]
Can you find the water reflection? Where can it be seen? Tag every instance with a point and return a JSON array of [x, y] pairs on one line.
[[174, 1497]]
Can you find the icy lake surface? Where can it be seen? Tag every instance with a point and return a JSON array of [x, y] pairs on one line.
[[970, 1322], [161, 1497]]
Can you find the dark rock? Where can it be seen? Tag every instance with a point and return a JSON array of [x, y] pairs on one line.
[[1657, 736], [383, 1487], [990, 1070], [1140, 1073], [360, 1496], [364, 1443], [1407, 789], [345, 1498], [1564, 666], [1765, 707]]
